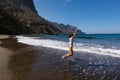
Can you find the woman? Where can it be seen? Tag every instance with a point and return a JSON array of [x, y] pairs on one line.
[[71, 36]]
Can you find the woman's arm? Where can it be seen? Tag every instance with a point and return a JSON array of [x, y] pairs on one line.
[[75, 32]]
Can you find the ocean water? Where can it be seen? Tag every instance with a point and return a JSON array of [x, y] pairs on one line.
[[102, 44]]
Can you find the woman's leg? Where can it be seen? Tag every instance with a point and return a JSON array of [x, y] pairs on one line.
[[69, 53]]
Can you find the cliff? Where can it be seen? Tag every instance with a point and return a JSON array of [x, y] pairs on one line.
[[9, 25], [21, 17]]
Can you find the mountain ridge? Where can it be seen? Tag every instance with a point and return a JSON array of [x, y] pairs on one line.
[[24, 12]]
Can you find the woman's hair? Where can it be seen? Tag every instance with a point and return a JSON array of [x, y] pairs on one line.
[[70, 35]]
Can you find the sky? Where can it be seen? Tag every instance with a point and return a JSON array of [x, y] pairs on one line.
[[91, 16]]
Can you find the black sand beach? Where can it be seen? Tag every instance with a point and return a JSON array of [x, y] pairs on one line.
[[24, 62]]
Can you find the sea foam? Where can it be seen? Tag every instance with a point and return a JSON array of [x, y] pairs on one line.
[[80, 47]]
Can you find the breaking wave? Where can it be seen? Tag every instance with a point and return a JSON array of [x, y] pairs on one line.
[[84, 47]]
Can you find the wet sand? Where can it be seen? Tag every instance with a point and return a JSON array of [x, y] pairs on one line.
[[24, 62], [5, 73]]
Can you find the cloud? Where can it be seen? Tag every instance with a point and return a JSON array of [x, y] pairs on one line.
[[45, 17], [66, 2]]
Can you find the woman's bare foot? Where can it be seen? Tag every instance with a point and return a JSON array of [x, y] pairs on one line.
[[63, 57]]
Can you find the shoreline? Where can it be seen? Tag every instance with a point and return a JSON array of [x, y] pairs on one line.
[[35, 63], [4, 36]]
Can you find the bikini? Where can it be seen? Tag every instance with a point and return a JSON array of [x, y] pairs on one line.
[[70, 43]]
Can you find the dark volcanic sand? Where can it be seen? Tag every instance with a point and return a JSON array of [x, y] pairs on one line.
[[25, 62]]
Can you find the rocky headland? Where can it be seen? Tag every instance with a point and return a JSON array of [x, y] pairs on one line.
[[21, 17]]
